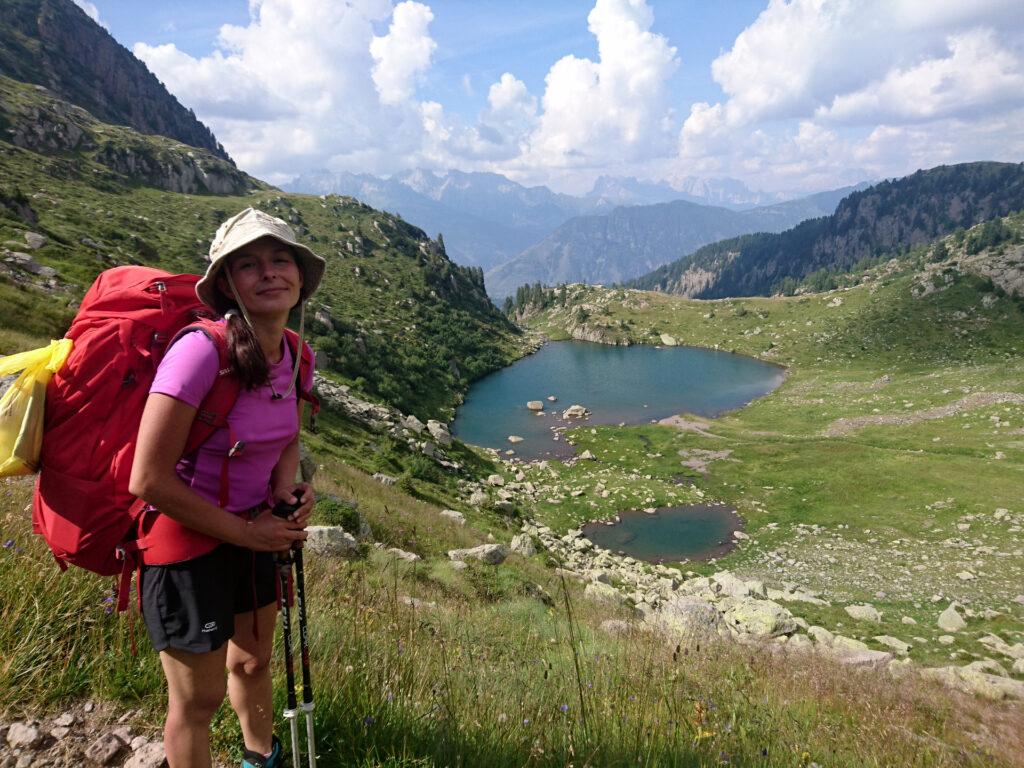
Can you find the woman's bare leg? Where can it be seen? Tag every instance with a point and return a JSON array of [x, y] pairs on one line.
[[249, 683], [195, 689]]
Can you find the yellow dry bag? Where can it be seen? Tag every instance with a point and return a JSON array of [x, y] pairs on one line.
[[21, 406]]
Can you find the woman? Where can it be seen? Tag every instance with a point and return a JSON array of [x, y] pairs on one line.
[[218, 610]]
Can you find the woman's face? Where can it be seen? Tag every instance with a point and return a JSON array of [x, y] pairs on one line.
[[266, 276]]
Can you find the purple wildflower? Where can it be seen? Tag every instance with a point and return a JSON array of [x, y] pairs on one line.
[[9, 543], [526, 721], [564, 707], [368, 720]]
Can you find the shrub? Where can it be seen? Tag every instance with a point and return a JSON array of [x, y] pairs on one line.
[[331, 510]]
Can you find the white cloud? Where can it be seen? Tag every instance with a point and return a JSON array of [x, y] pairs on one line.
[[617, 106], [297, 88], [403, 54], [936, 77], [978, 74]]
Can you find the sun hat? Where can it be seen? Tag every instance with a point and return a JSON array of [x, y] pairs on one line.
[[247, 227]]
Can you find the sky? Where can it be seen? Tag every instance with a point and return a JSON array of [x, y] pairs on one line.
[[790, 96]]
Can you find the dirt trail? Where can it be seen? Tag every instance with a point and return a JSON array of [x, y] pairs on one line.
[[845, 426]]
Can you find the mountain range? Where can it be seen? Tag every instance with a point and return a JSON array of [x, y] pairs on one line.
[[887, 217], [522, 234]]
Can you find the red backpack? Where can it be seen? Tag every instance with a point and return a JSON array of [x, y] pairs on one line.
[[81, 505]]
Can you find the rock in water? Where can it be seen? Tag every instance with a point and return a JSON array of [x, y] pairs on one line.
[[535, 405], [574, 412]]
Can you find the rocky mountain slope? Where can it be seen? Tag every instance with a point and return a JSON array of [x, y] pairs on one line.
[[630, 241], [395, 317], [53, 43], [893, 215]]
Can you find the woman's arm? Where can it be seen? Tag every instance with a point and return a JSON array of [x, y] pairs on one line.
[[163, 431]]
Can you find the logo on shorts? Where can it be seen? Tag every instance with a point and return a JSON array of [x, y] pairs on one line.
[[209, 626]]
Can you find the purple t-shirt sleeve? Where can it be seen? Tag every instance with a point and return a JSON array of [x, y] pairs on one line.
[[188, 370]]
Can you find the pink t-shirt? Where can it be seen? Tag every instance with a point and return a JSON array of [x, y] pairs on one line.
[[263, 424]]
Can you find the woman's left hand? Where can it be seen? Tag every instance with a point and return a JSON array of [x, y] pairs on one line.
[[293, 493]]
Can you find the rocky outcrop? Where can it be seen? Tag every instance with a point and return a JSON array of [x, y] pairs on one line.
[[53, 43]]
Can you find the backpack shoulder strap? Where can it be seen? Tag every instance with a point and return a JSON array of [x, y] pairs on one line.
[[305, 372], [215, 407]]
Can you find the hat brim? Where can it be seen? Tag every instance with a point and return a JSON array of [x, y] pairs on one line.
[[312, 267]]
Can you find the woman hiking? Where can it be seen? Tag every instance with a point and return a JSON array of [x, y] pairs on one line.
[[217, 611]]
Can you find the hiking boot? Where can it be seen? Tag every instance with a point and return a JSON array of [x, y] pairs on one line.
[[252, 759]]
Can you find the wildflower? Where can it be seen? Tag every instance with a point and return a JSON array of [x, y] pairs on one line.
[[9, 543], [502, 717], [564, 707], [526, 721], [368, 720]]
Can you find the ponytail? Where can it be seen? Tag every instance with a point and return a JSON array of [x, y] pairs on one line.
[[245, 353]]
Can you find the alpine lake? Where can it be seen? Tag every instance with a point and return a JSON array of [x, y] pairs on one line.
[[625, 386]]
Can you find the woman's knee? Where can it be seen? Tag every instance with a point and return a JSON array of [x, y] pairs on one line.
[[199, 704], [246, 664]]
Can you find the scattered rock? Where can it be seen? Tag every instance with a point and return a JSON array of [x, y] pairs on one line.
[[602, 593], [495, 480], [331, 540], [23, 736], [454, 515], [416, 603], [668, 341], [587, 456], [950, 620], [401, 554], [104, 749], [515, 439], [760, 618], [574, 412], [908, 621], [491, 554], [439, 431], [34, 240], [618, 627], [458, 565], [383, 479], [865, 612], [523, 545], [895, 643], [410, 422], [535, 405], [148, 755], [478, 498]]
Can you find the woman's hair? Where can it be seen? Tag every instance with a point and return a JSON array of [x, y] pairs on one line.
[[245, 353]]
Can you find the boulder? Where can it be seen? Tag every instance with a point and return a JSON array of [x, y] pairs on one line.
[[864, 612], [574, 412], [950, 620], [104, 749], [901, 648], [478, 498], [587, 456], [668, 341], [34, 240], [23, 736], [760, 618], [331, 540], [495, 480], [401, 554], [977, 678], [383, 479], [535, 405], [687, 620], [618, 627], [523, 545], [149, 755], [490, 554], [439, 431], [307, 464], [515, 439], [454, 515], [602, 593], [410, 422], [729, 585]]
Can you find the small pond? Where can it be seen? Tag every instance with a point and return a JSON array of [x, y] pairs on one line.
[[669, 534], [631, 385]]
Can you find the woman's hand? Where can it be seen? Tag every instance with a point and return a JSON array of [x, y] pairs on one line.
[[290, 494], [270, 533]]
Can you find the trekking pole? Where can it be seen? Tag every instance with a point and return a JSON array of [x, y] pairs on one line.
[[284, 572], [307, 685]]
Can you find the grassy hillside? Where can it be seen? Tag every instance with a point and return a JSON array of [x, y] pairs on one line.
[[395, 317]]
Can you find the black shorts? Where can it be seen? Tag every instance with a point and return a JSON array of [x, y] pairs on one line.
[[191, 606]]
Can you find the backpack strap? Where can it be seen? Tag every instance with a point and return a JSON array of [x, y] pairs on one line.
[[305, 372]]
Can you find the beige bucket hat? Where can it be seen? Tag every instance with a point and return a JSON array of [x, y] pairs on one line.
[[244, 228]]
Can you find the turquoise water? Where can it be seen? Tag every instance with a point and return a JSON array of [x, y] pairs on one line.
[[695, 531], [634, 385]]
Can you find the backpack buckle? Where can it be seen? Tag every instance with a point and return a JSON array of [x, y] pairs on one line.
[[236, 450]]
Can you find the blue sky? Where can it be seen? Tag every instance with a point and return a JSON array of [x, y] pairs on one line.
[[789, 95]]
